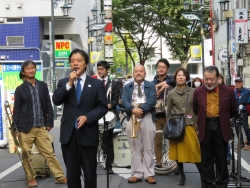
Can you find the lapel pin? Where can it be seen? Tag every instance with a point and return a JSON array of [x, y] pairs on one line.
[[89, 85]]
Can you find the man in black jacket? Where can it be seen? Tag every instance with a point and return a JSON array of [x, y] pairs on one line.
[[112, 93], [162, 68], [33, 116]]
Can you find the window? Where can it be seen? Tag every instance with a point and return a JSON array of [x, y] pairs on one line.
[[14, 20], [14, 40], [192, 68]]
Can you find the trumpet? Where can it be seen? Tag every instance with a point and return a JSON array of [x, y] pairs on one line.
[[135, 122], [17, 139]]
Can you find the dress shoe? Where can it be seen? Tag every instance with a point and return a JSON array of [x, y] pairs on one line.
[[247, 147], [134, 179], [62, 181], [111, 171], [32, 183], [246, 141], [151, 180], [158, 166], [182, 181], [242, 146]]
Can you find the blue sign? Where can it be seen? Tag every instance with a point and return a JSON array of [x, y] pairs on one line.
[[1, 119], [17, 67], [118, 69]]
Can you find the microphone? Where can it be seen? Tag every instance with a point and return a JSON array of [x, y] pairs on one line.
[[75, 69], [240, 108]]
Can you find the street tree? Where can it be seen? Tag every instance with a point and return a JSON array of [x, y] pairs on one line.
[[178, 32], [132, 21]]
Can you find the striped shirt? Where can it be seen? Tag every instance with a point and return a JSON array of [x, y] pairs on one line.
[[38, 118], [135, 92]]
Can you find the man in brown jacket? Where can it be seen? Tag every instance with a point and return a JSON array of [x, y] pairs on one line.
[[214, 105]]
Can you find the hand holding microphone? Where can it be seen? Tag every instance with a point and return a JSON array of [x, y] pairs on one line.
[[72, 77]]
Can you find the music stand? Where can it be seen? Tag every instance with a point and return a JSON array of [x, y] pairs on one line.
[[105, 124], [237, 176], [105, 138]]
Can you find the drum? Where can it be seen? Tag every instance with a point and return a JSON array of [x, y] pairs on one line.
[[110, 118], [122, 151]]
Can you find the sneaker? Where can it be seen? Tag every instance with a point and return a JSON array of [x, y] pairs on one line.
[[62, 181], [242, 146], [32, 183], [247, 147]]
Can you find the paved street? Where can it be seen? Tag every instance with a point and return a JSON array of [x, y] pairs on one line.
[[12, 174]]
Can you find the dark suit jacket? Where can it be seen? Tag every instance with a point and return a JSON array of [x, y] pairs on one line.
[[113, 97], [227, 109], [93, 104], [23, 114]]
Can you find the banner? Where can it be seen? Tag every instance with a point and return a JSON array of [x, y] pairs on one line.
[[108, 39], [241, 29], [195, 52], [94, 57]]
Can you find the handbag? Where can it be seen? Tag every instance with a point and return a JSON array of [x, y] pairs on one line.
[[175, 127]]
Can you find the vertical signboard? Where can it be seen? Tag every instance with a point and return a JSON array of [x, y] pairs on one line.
[[62, 48], [1, 117], [241, 30], [108, 31]]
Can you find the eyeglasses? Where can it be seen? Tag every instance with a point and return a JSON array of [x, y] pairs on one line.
[[160, 67]]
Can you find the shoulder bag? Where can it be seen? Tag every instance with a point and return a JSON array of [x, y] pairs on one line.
[[175, 127]]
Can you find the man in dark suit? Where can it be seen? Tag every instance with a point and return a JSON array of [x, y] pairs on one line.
[[112, 92], [214, 104], [33, 117], [84, 104]]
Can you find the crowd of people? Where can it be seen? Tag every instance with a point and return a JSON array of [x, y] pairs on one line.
[[208, 105]]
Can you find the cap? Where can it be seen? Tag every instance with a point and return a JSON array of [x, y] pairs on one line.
[[238, 79]]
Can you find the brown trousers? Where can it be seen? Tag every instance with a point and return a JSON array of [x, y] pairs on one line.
[[39, 136], [159, 123]]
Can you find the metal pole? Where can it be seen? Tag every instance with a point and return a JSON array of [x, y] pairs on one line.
[[228, 57], [202, 43], [53, 54], [88, 69], [126, 53]]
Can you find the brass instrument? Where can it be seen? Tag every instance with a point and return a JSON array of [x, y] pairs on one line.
[[135, 122], [16, 136]]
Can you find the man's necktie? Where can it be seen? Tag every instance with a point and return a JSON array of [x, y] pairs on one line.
[[78, 89], [139, 91], [78, 95], [104, 83]]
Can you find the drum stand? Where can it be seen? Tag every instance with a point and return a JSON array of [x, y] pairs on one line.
[[237, 176], [105, 135]]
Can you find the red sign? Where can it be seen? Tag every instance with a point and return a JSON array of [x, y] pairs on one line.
[[109, 27]]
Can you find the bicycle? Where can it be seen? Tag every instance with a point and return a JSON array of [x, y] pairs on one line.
[[168, 166]]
